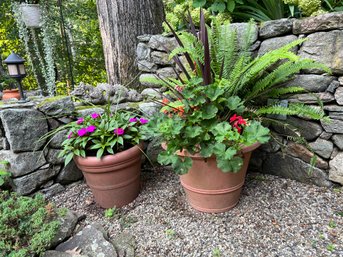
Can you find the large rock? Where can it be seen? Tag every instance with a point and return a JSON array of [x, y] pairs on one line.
[[309, 130], [146, 78], [148, 109], [83, 112], [167, 72], [148, 66], [91, 241], [323, 22], [69, 174], [125, 245], [152, 93], [319, 48], [293, 168], [52, 190], [333, 126], [338, 140], [301, 152], [134, 96], [52, 156], [275, 28], [275, 43], [59, 254], [242, 29], [59, 106], [339, 95], [143, 52], [58, 138], [161, 58], [322, 147], [23, 163], [24, 128], [325, 97], [29, 183], [162, 43], [68, 222], [336, 170], [311, 82]]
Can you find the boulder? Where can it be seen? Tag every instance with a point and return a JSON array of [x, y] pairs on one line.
[[338, 140], [57, 106], [325, 97], [52, 190], [275, 43], [148, 109], [301, 152], [92, 241], [275, 28], [322, 147], [152, 93], [143, 52], [167, 72], [24, 128], [83, 112], [82, 91], [323, 22], [242, 29], [148, 66], [333, 86], [23, 163], [120, 95], [125, 245], [58, 138], [68, 223], [294, 168], [29, 183], [339, 95], [311, 82], [316, 48], [336, 171], [161, 58], [52, 156], [145, 78], [162, 43], [69, 174], [144, 38], [59, 254], [134, 96], [333, 126]]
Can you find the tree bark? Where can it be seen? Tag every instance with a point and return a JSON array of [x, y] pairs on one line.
[[121, 21]]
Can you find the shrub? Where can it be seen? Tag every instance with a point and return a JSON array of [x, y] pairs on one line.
[[27, 225]]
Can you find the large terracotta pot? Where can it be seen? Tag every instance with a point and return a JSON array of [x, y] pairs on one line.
[[208, 189], [113, 179], [10, 93]]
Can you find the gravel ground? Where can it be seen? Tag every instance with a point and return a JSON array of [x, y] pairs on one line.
[[275, 217]]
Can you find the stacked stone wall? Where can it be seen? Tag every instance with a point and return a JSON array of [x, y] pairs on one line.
[[324, 44]]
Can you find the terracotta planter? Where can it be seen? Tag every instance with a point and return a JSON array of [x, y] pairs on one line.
[[208, 189], [113, 179], [10, 93]]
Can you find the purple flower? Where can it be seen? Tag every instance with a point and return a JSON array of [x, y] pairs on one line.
[[80, 121], [143, 121], [119, 131], [95, 115], [91, 128], [82, 132], [133, 119], [70, 135]]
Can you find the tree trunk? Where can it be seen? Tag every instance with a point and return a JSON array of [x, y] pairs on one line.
[[121, 21]]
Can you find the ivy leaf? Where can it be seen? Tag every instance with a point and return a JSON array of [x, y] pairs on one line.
[[199, 3], [193, 132], [231, 4], [256, 132], [234, 165], [218, 6], [209, 112]]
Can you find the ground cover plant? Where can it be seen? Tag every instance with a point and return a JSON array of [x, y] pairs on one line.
[[27, 225]]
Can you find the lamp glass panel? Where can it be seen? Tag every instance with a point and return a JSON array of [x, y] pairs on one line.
[[12, 70], [22, 69]]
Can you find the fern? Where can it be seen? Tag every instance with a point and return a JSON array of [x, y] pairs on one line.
[[277, 92]]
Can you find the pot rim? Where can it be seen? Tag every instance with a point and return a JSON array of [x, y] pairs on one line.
[[10, 90], [245, 149], [134, 150]]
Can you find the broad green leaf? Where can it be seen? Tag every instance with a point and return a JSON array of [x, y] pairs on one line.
[[234, 103], [234, 165], [218, 6], [209, 112], [165, 158], [193, 132], [256, 132], [99, 153], [231, 4], [206, 150], [199, 3], [213, 92], [182, 166], [229, 153], [219, 149]]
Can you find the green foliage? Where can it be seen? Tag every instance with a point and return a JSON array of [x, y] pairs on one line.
[[109, 213], [27, 225], [4, 175], [99, 135], [203, 111]]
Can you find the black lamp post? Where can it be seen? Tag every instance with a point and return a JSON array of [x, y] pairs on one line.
[[16, 70]]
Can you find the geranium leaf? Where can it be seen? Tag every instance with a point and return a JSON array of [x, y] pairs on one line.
[[193, 132], [209, 112], [256, 132], [234, 165]]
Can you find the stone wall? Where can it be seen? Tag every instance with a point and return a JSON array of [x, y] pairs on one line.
[[33, 161], [324, 44]]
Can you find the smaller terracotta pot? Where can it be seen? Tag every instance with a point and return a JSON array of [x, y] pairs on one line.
[[113, 179], [10, 93]]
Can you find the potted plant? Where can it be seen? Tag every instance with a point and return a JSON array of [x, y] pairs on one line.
[[215, 113], [31, 13], [106, 147], [8, 90]]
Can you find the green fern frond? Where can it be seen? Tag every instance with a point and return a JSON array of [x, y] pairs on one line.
[[276, 92]]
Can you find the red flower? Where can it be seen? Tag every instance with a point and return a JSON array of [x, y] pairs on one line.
[[237, 122]]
